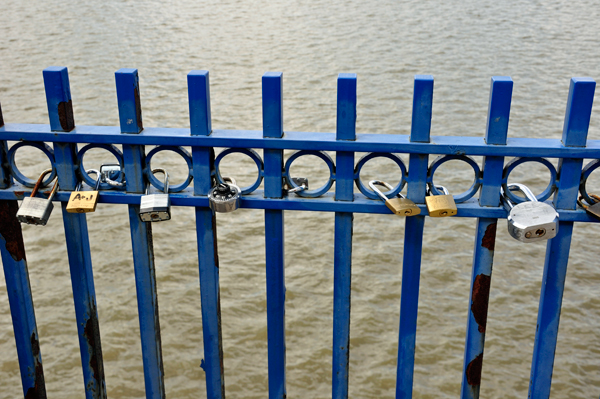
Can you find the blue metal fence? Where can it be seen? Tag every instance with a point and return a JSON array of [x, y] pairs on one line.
[[66, 155]]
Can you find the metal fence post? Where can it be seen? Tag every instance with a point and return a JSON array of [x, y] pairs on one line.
[[60, 112], [130, 117]]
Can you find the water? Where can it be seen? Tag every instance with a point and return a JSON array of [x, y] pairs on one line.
[[540, 44]]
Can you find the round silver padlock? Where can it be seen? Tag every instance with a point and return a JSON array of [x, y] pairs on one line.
[[531, 220], [225, 197]]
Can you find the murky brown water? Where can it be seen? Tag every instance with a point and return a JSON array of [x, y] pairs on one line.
[[541, 45]]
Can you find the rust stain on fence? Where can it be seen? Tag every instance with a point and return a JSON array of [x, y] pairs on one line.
[[474, 370], [489, 238], [480, 299], [65, 115], [10, 229], [38, 391]]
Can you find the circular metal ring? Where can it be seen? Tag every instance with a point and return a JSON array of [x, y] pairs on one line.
[[518, 161], [370, 193], [20, 177], [585, 174], [319, 191], [253, 155], [462, 197], [157, 183], [85, 177]]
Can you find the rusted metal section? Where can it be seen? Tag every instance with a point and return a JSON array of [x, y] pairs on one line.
[[65, 115], [138, 107], [38, 391], [91, 333], [480, 300], [489, 238], [10, 229], [474, 370]]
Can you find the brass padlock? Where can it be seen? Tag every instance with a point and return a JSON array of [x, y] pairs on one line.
[[400, 205], [593, 209], [84, 201], [440, 205]]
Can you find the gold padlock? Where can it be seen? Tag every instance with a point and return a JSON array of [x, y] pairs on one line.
[[84, 201], [440, 205], [400, 206]]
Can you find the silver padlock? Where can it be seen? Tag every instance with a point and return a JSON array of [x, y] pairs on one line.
[[301, 183], [225, 197], [106, 173], [156, 207], [531, 220], [36, 210]]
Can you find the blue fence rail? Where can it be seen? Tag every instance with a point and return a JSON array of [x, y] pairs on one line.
[[567, 183]]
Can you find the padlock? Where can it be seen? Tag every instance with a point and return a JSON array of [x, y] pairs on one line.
[[156, 207], [593, 209], [301, 183], [84, 201], [440, 205], [107, 171], [400, 205], [531, 220], [36, 210], [225, 197]]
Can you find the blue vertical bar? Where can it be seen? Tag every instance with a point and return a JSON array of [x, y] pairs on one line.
[[58, 98], [272, 100], [342, 261], [141, 236], [60, 112], [575, 130], [413, 237], [5, 177], [485, 237], [206, 232], [16, 275], [128, 98]]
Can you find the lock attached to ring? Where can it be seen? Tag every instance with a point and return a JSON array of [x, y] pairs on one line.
[[300, 182], [156, 207], [225, 197], [531, 220], [440, 205], [107, 173], [36, 210], [400, 205], [84, 201], [593, 209]]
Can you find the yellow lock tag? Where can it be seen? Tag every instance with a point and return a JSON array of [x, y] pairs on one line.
[[82, 201]]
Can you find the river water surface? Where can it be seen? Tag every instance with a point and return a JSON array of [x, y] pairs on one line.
[[540, 44]]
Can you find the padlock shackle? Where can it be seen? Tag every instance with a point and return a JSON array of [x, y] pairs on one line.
[[524, 189], [97, 173], [165, 182], [374, 183], [230, 180], [39, 182], [441, 188]]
